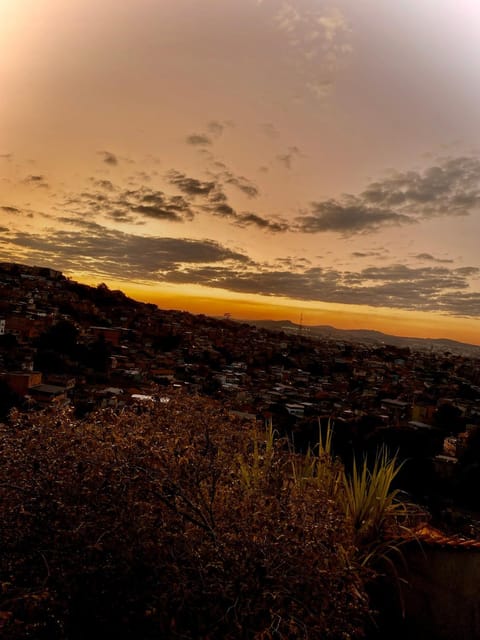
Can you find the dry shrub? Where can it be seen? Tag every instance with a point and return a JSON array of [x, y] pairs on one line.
[[141, 525]]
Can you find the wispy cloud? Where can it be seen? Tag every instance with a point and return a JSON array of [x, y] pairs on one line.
[[215, 200], [198, 140], [106, 185], [368, 254], [243, 184], [37, 180], [427, 257], [320, 37], [286, 159], [109, 157], [215, 128], [269, 130]]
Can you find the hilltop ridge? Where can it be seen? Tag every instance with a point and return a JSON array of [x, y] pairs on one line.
[[103, 295], [370, 336]]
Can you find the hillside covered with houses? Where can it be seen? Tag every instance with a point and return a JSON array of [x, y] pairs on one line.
[[64, 343]]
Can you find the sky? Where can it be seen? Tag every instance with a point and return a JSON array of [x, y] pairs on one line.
[[288, 159]]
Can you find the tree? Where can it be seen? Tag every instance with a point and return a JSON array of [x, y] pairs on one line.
[[449, 418], [8, 400], [61, 338], [143, 525]]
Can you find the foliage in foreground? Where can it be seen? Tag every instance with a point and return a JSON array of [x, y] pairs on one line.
[[172, 522]]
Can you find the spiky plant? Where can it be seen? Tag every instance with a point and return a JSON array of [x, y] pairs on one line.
[[303, 467], [379, 518], [320, 468], [255, 467], [369, 500]]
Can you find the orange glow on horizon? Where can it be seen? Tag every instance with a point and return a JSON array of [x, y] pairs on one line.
[[255, 307]]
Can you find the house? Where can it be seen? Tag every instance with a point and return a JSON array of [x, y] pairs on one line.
[[398, 410], [295, 409], [443, 576], [111, 335], [21, 381], [423, 411], [48, 394]]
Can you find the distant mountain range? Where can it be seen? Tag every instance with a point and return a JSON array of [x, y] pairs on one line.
[[370, 337]]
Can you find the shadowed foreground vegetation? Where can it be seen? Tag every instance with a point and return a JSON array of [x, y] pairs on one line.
[[175, 521]]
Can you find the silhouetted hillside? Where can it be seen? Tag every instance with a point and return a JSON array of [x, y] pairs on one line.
[[369, 336]]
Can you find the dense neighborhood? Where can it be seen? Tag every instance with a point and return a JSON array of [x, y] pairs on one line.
[[65, 343], [112, 413]]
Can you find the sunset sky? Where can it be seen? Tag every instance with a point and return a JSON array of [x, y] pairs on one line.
[[264, 158]]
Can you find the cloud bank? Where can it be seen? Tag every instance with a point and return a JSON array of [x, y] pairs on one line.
[[91, 246]]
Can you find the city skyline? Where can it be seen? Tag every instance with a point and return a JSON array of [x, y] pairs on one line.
[[265, 158]]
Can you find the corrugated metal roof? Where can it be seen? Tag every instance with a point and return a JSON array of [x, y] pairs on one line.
[[428, 535]]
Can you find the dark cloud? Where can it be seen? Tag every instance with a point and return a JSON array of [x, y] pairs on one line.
[[366, 254], [348, 216], [10, 209], [292, 263], [106, 185], [4, 229], [246, 219], [216, 200], [136, 204], [452, 187], [467, 271], [401, 275], [397, 286], [129, 205], [158, 213], [243, 184], [179, 260], [218, 205], [88, 225], [117, 254], [225, 210], [466, 305], [156, 204], [217, 195], [306, 285], [109, 158], [198, 139], [141, 201], [6, 156], [225, 176], [190, 186], [428, 257], [37, 181]]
